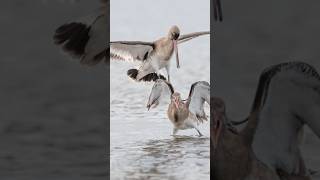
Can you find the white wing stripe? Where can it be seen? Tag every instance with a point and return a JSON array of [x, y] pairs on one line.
[[125, 55], [199, 94]]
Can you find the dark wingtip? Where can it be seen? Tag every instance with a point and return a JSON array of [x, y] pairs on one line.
[[313, 172], [152, 77], [201, 118], [133, 73], [236, 123], [73, 37]]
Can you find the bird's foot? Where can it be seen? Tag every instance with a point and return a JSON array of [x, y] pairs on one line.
[[199, 133]]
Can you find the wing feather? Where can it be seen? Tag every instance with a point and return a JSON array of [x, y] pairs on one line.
[[187, 37], [198, 95], [130, 50], [159, 90], [86, 38]]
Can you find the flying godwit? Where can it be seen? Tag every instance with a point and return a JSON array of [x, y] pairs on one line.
[[153, 55], [287, 98], [182, 114]]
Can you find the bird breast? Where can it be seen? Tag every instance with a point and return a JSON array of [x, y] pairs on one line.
[[164, 49], [177, 115]]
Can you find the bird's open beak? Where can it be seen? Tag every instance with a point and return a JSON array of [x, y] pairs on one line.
[[175, 45], [217, 127]]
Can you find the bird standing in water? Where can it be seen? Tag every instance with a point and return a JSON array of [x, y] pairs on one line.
[[182, 113]]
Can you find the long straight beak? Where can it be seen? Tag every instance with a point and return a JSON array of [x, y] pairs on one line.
[[175, 46]]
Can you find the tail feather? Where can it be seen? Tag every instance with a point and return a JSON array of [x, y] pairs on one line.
[[133, 73]]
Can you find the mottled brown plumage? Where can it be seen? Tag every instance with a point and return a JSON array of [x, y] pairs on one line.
[[178, 113]]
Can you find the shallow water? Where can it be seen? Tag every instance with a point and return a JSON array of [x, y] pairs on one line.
[[173, 158], [141, 145]]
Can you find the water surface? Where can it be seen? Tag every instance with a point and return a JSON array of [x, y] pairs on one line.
[[141, 143]]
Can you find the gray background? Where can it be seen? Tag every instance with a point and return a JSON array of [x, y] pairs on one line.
[[254, 35], [52, 110]]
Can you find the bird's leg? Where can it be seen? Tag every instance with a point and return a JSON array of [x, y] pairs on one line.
[[168, 72], [174, 131], [198, 131], [155, 67]]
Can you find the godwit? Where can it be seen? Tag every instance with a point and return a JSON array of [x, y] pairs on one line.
[[86, 39], [181, 113], [287, 98], [153, 55]]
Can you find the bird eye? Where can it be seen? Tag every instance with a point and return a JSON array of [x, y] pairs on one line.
[[175, 35]]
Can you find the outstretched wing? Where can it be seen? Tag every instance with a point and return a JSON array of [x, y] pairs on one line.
[[288, 96], [85, 39], [187, 37], [130, 50], [198, 95], [159, 89]]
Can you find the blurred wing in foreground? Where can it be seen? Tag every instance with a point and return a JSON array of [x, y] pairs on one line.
[[288, 97], [85, 39]]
